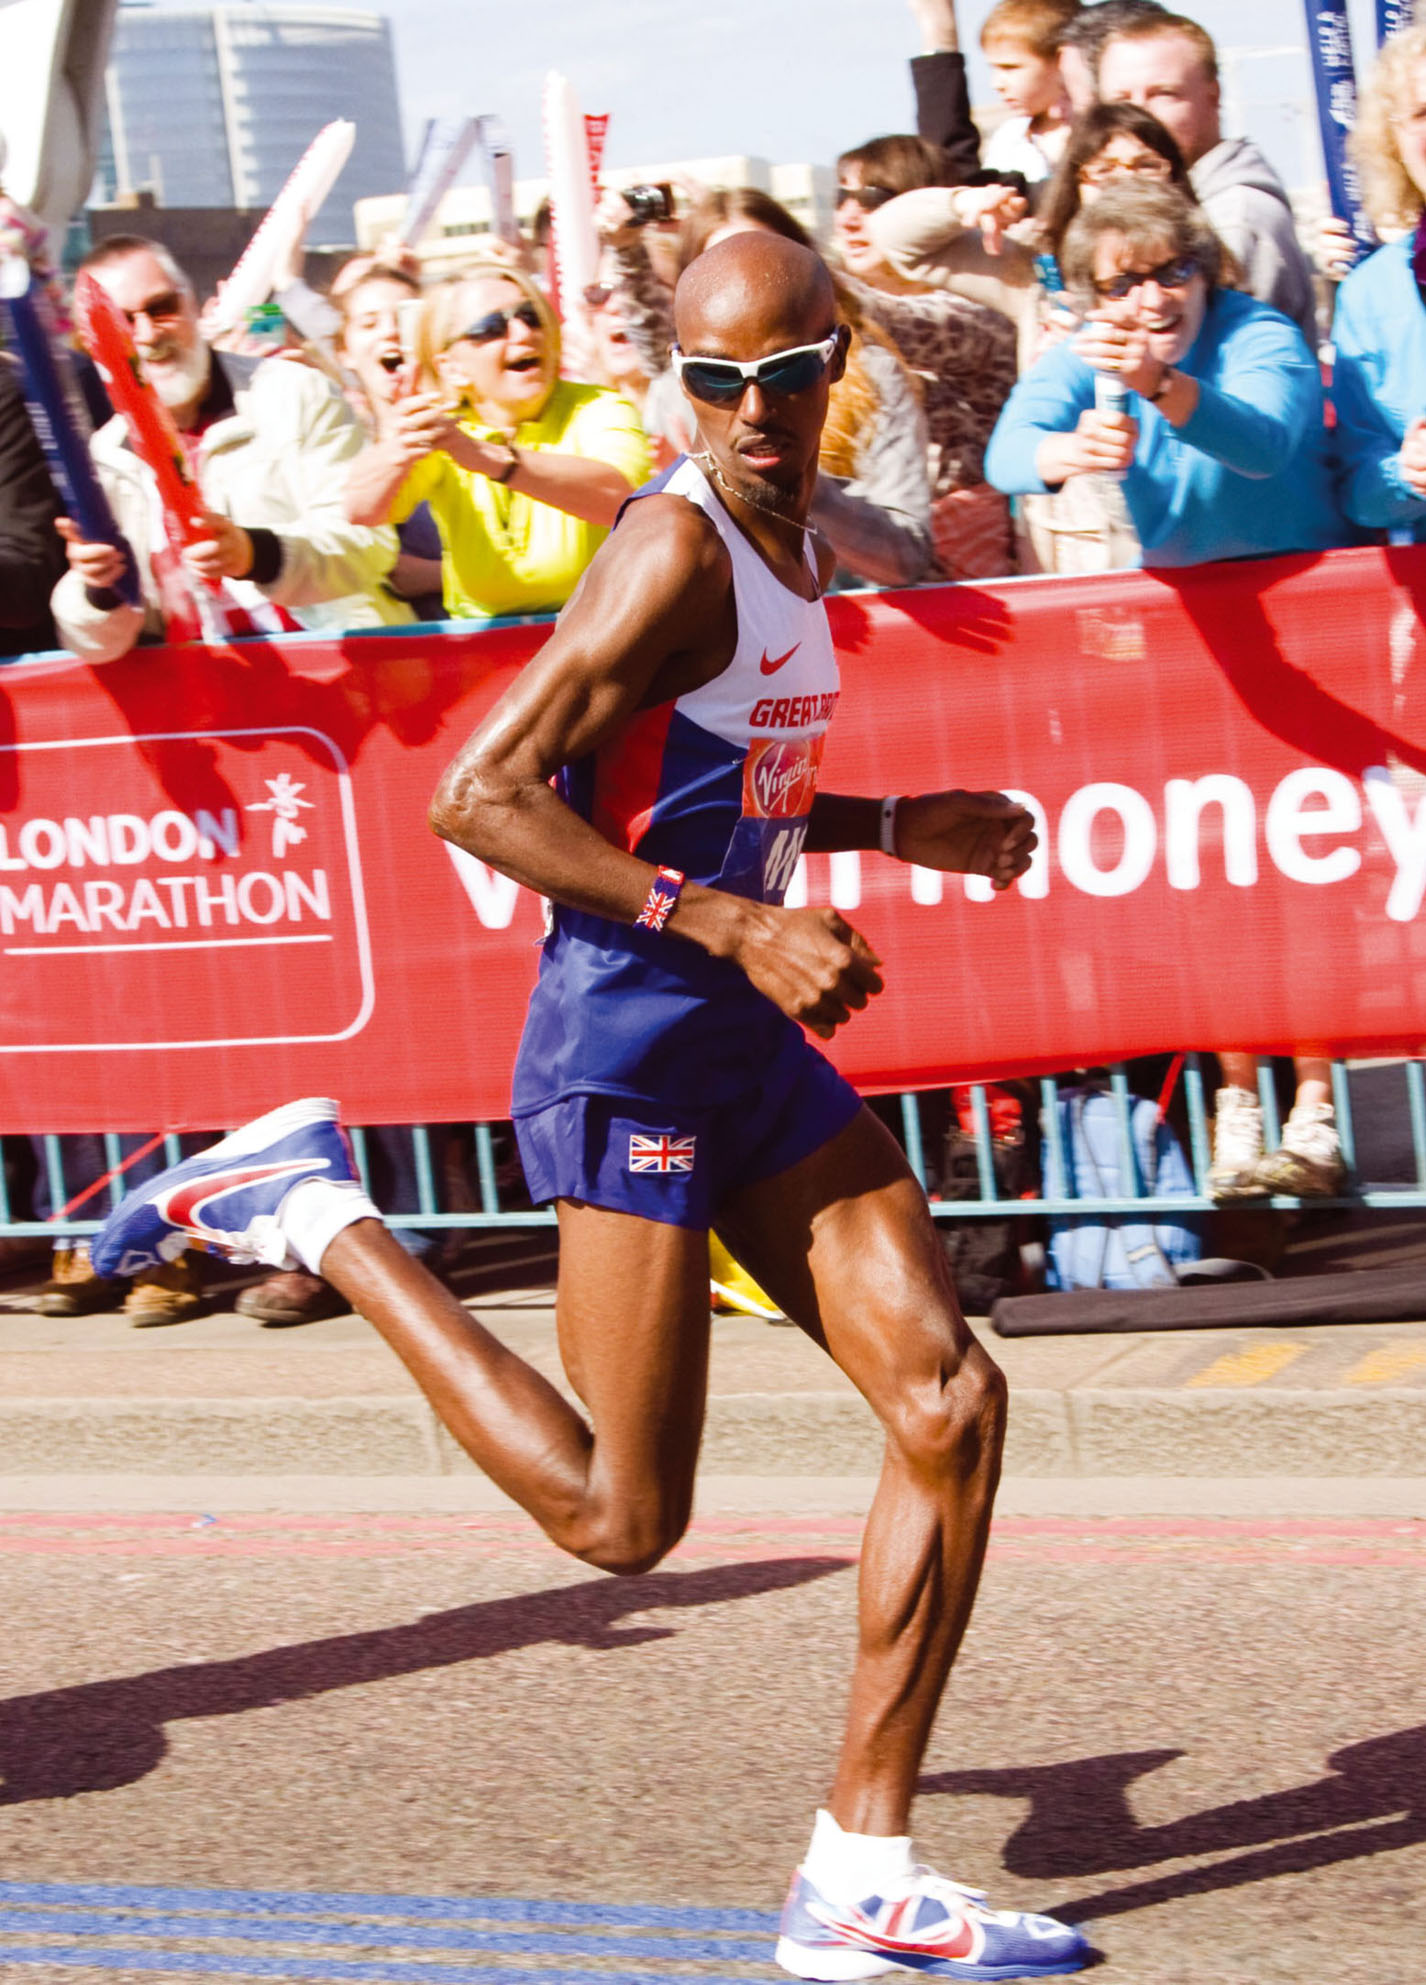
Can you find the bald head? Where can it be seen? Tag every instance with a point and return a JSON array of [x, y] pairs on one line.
[[751, 291]]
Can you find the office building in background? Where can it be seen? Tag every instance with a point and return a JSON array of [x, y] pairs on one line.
[[212, 106]]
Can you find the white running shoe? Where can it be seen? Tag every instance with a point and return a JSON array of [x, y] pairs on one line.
[[925, 1924], [1310, 1163]]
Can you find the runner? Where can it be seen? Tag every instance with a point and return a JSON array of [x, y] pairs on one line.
[[664, 1086]]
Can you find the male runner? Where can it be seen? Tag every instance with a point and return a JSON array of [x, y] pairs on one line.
[[664, 1086]]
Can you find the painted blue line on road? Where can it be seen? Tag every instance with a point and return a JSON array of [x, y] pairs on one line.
[[239, 1929], [391, 1908], [96, 1957]]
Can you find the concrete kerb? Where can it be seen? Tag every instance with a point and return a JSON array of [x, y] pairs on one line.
[[222, 1398]]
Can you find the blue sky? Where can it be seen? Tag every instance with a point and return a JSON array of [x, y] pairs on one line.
[[784, 79]]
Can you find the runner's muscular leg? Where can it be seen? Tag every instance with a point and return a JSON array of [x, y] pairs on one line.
[[844, 1242], [616, 1494]]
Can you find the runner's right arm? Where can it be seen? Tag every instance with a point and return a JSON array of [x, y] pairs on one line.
[[652, 618]]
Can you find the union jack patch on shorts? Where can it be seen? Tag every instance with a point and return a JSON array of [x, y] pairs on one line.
[[661, 1154]]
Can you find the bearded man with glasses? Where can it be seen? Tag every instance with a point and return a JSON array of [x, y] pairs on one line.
[[270, 444], [653, 772]]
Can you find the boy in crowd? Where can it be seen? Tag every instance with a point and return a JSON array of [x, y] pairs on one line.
[[1021, 40]]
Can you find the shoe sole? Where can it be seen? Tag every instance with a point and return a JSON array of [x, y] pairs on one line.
[[1304, 1188], [156, 1319], [811, 1961], [274, 1318]]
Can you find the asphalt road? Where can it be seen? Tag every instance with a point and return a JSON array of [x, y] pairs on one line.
[[426, 1748]]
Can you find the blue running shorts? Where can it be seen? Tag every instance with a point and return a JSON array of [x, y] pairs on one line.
[[659, 1161]]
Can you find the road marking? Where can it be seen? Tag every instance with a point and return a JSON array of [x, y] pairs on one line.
[[830, 1542], [113, 1927], [1250, 1367], [1387, 1364]]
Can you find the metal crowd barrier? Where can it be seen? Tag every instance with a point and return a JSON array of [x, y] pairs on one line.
[[1053, 1200]]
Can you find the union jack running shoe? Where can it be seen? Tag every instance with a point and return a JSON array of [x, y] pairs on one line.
[[924, 1924], [228, 1196]]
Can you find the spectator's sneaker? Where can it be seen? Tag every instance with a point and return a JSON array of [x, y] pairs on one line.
[[1310, 1163], [1237, 1146], [228, 1197], [923, 1924]]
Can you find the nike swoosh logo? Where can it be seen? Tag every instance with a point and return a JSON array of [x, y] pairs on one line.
[[770, 664]]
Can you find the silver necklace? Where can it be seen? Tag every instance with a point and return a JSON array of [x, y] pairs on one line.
[[715, 474]]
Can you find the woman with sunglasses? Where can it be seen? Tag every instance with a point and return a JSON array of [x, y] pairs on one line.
[[1083, 526], [1222, 448], [524, 472]]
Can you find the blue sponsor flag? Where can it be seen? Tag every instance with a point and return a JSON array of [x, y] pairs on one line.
[[1329, 37]]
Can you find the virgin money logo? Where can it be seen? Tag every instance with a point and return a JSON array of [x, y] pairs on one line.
[[780, 777], [225, 912]]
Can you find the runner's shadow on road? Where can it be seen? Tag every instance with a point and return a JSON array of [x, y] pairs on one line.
[[1081, 1823], [102, 1735]]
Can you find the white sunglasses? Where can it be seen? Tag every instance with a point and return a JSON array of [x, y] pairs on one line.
[[722, 382]]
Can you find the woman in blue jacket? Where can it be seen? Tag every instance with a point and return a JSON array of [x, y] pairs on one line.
[[1221, 444], [1379, 378]]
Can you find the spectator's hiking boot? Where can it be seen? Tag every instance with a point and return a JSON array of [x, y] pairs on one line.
[[1310, 1162], [230, 1196], [289, 1297], [171, 1294], [925, 1925], [1237, 1146], [21, 1254], [75, 1289]]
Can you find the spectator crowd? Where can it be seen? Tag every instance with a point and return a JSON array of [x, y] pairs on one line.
[[418, 452]]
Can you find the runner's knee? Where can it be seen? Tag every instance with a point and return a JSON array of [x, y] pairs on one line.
[[631, 1538], [953, 1425]]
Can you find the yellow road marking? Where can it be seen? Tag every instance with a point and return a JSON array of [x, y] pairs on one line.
[[1249, 1367], [1387, 1364]]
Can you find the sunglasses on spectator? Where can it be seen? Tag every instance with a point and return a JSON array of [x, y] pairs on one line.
[[1169, 275], [722, 382], [1100, 174], [868, 198], [596, 295], [161, 309], [495, 323]]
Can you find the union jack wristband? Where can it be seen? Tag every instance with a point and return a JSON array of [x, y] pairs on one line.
[[658, 904]]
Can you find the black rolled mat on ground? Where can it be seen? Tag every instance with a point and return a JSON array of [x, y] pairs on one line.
[[1374, 1295]]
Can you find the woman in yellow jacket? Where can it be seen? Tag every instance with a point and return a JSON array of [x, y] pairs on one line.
[[524, 471]]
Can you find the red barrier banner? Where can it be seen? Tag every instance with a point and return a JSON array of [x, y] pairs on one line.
[[218, 889]]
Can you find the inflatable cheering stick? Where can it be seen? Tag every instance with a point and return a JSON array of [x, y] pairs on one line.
[[307, 186], [104, 332], [59, 418]]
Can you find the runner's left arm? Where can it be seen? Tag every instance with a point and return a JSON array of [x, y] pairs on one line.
[[961, 833]]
